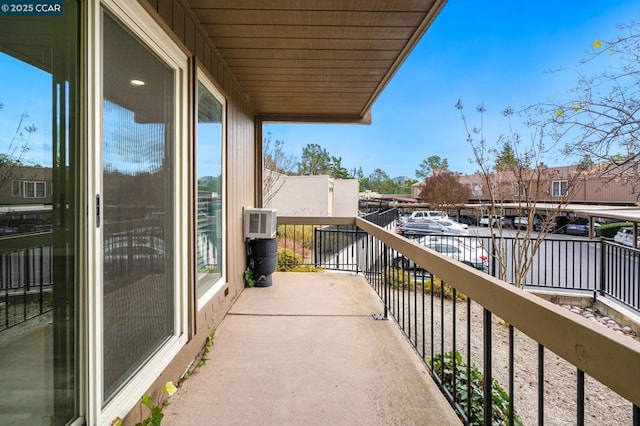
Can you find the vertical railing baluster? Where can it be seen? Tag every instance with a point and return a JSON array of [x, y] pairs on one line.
[[318, 243], [25, 283], [468, 359], [511, 375], [41, 295], [488, 401], [453, 343], [602, 266], [580, 398], [540, 384], [385, 281]]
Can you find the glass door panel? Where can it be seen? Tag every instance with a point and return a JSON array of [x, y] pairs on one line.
[[38, 218], [137, 199]]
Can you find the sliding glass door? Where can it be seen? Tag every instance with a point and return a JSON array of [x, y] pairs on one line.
[[138, 215], [39, 186]]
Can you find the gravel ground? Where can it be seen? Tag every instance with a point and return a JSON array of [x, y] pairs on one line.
[[602, 406]]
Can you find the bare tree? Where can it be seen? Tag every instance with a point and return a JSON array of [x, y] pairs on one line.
[[513, 174], [443, 190], [277, 164], [13, 150], [600, 120]]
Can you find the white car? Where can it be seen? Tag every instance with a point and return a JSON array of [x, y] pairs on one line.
[[463, 249], [427, 215], [624, 236], [453, 227], [484, 220]]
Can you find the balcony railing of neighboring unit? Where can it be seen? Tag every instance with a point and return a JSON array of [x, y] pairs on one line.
[[516, 354], [26, 285]]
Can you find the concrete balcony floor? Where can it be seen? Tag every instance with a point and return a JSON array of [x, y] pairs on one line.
[[306, 351]]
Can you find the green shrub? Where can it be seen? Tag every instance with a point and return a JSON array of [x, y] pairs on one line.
[[301, 235], [609, 230], [397, 278], [290, 261], [443, 365], [287, 257]]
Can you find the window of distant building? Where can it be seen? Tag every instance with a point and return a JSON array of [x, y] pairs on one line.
[[518, 189], [29, 189], [559, 188]]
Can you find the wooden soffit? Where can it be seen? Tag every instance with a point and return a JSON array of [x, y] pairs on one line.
[[314, 60]]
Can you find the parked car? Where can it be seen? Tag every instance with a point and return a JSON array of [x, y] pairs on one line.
[[463, 249], [484, 220], [428, 215], [522, 222], [561, 223], [466, 220], [624, 236], [420, 228], [578, 227], [495, 220], [453, 227]]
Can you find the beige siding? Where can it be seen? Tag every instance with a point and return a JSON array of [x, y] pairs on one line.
[[240, 174]]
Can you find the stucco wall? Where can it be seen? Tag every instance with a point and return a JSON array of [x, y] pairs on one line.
[[302, 196], [345, 197]]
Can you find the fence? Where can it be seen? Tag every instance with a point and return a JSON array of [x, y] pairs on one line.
[[26, 278], [595, 267], [499, 355]]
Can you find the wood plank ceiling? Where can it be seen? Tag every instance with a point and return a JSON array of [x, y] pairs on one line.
[[314, 60]]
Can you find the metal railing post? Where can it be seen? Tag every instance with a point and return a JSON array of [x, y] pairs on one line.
[[488, 402], [316, 252], [602, 268], [385, 279]]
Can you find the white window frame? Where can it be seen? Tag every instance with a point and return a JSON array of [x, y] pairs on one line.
[[519, 189], [137, 20], [556, 188], [203, 77], [34, 184]]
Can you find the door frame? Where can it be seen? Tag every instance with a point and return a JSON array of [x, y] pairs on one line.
[[137, 20]]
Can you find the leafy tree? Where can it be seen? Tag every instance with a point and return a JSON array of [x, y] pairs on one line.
[[601, 119], [443, 189], [337, 171], [379, 182], [315, 161], [431, 164]]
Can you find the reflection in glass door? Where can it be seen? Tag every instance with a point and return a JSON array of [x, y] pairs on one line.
[[210, 205], [137, 197], [38, 218]]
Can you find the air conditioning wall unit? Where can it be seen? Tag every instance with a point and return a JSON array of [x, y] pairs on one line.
[[260, 223]]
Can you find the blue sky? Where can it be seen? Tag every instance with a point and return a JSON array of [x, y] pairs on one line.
[[495, 53]]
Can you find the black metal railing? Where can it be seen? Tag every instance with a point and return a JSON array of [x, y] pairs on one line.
[[471, 351], [596, 268], [384, 218], [491, 372], [26, 278]]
